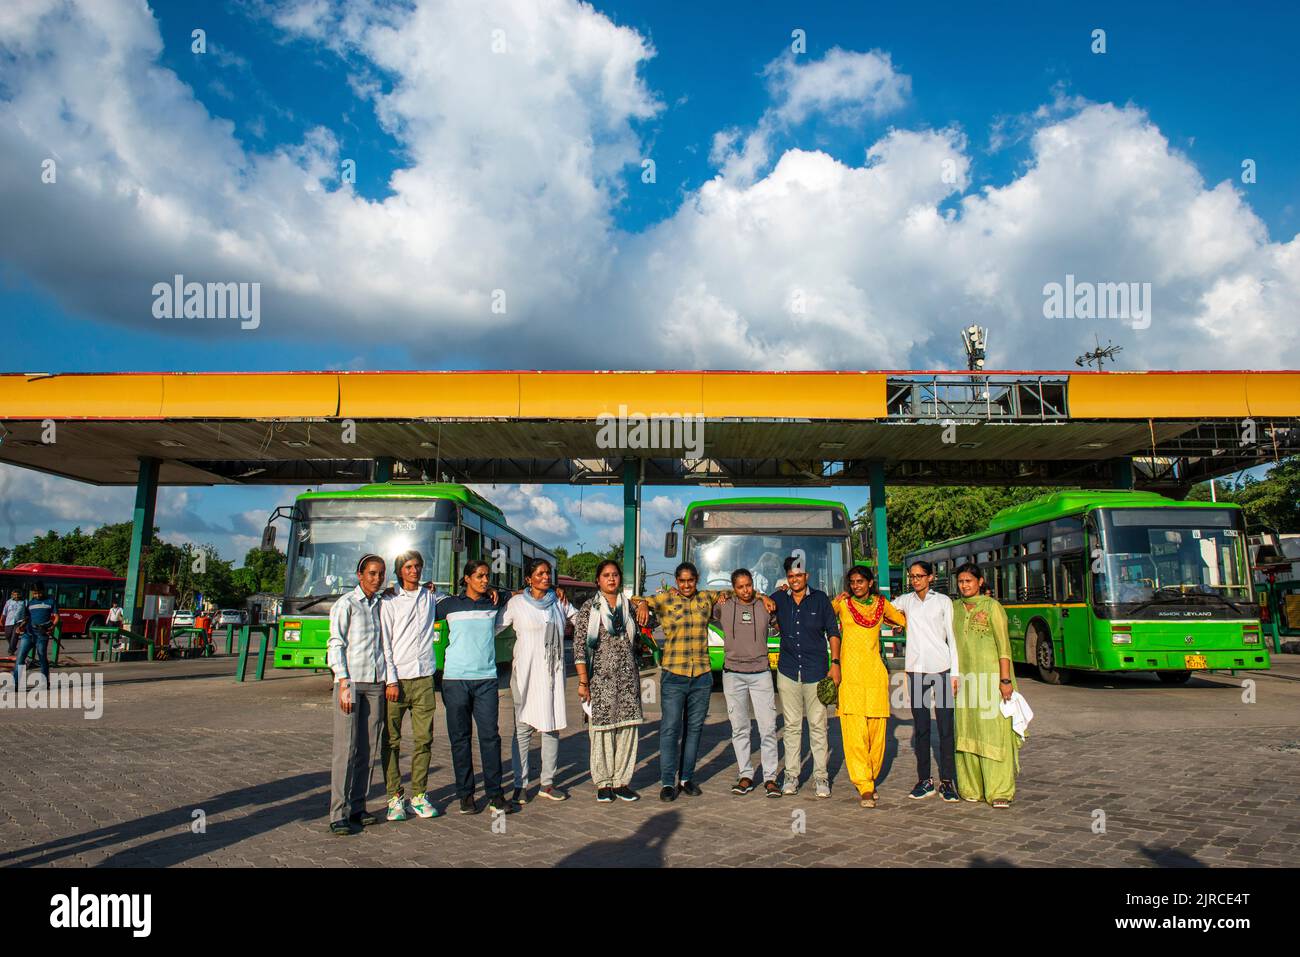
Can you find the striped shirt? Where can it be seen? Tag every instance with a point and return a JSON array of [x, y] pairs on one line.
[[356, 649], [472, 628], [685, 622]]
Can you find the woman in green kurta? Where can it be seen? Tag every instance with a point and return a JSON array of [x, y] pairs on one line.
[[988, 750]]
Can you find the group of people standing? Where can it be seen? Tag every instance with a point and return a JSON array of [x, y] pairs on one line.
[[381, 651]]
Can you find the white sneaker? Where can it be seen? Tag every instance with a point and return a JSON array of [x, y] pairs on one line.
[[791, 784], [823, 788], [397, 809], [421, 807]]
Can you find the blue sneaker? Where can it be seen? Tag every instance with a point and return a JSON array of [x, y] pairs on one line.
[[948, 791], [923, 789]]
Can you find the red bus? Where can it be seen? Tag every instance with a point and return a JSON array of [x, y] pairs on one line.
[[84, 593]]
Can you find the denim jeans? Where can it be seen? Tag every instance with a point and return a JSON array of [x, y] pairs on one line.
[[476, 702], [42, 645], [681, 697]]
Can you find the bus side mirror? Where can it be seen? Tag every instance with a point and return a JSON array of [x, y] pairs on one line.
[[268, 538], [670, 545], [458, 538]]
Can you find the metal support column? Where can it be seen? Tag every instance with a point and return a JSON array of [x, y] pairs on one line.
[[1122, 473], [631, 523], [146, 497], [876, 474], [382, 470]]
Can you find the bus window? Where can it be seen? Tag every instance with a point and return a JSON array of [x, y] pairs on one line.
[[99, 596], [1067, 577], [1035, 579], [72, 596], [1007, 582]]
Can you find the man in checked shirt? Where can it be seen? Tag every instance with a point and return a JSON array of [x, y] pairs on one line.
[[686, 678]]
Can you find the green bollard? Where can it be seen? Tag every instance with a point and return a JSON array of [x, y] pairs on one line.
[[264, 631], [57, 638], [242, 664], [230, 638]]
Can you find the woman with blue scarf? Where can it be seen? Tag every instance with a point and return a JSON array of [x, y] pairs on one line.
[[604, 649], [538, 616]]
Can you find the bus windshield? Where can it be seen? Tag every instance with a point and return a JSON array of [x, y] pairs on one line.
[[1171, 555], [332, 535], [717, 556]]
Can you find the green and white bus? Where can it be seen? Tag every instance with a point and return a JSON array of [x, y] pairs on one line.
[[330, 531], [1115, 581], [721, 535]]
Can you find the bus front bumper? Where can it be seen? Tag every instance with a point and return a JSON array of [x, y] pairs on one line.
[[289, 656], [1123, 658]]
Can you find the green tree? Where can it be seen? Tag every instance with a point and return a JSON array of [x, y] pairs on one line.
[[921, 514], [1272, 502]]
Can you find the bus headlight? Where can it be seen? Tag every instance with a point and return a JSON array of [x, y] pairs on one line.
[[1250, 636], [1118, 638], [292, 634]]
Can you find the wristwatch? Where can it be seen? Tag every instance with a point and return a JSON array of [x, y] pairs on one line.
[[835, 661], [1005, 681]]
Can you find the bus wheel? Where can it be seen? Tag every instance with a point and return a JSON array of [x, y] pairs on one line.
[[1045, 658], [1174, 677]]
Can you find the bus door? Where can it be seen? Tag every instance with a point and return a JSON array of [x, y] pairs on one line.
[[1069, 564]]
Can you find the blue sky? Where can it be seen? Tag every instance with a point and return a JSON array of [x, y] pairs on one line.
[[811, 174]]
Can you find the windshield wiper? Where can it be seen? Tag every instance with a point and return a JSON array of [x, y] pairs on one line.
[[314, 600]]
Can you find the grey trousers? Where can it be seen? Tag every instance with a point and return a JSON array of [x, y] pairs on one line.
[[742, 690], [613, 756], [799, 702], [358, 738], [523, 738]]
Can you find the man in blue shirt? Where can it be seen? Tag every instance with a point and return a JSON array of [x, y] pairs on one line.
[[469, 685], [40, 614], [808, 623]]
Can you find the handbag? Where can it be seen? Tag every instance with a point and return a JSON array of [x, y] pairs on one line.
[[827, 692]]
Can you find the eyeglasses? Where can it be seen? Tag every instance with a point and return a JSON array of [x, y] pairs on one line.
[[918, 577]]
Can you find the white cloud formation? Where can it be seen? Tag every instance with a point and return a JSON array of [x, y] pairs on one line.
[[510, 176], [528, 510]]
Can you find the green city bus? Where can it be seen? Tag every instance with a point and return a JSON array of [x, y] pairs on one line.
[[721, 535], [330, 531], [1116, 581]]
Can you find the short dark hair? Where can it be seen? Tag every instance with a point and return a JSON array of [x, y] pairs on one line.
[[970, 568], [924, 566], [790, 562], [472, 566], [739, 572], [39, 588], [687, 567]]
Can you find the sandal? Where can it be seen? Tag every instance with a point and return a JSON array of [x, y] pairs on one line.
[[1001, 803], [867, 799]]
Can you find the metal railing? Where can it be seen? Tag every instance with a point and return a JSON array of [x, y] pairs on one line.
[[995, 398]]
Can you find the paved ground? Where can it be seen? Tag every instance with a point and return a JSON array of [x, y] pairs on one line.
[[1188, 776]]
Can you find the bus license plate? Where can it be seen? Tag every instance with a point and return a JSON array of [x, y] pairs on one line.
[[771, 659], [1195, 661]]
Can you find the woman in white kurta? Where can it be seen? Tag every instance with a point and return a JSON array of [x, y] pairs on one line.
[[538, 615]]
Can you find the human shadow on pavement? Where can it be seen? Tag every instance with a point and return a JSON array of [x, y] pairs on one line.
[[176, 842], [644, 848]]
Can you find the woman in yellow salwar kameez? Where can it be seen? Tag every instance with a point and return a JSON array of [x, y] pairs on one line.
[[863, 706], [988, 750]]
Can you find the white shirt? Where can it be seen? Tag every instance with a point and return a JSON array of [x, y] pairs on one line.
[[931, 646], [115, 614], [408, 625], [13, 611], [537, 671]]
